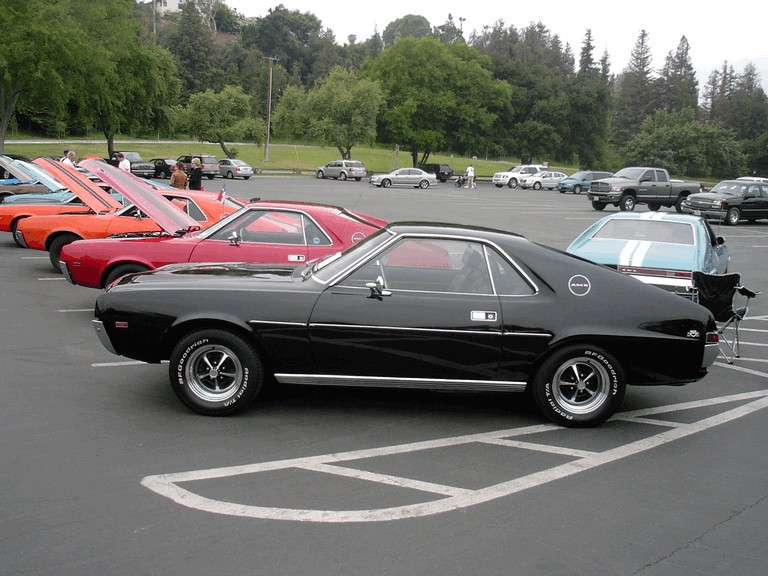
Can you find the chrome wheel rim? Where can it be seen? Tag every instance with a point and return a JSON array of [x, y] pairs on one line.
[[581, 385], [214, 373]]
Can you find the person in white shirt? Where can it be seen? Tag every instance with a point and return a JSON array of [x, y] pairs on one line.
[[69, 159], [124, 163], [471, 177]]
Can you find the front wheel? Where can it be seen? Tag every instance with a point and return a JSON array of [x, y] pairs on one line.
[[54, 252], [386, 183], [537, 185], [627, 203], [211, 176], [598, 205], [654, 206], [424, 184], [121, 270], [679, 204], [320, 174], [215, 372], [343, 176], [579, 386], [577, 189], [512, 183], [733, 216]]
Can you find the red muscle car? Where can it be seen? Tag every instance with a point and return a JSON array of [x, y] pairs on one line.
[[275, 232]]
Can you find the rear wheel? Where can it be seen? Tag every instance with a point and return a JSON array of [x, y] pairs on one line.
[[424, 184], [14, 227], [579, 386], [215, 372], [733, 216], [54, 252], [211, 176], [598, 205], [230, 175], [122, 270], [627, 203]]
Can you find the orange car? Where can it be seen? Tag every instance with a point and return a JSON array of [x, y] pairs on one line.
[[152, 209]]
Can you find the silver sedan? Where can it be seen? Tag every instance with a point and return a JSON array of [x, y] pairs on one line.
[[404, 177]]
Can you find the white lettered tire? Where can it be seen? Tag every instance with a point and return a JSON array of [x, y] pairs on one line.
[[579, 386], [215, 372]]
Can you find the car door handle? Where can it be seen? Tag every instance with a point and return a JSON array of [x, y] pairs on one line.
[[296, 258], [483, 316]]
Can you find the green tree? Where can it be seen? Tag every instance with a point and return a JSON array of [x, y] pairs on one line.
[[684, 145], [409, 26], [437, 96], [635, 97], [223, 116], [678, 87], [40, 61]]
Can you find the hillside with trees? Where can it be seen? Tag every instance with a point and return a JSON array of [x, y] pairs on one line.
[[115, 67]]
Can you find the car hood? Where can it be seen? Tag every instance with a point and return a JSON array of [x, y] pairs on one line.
[[708, 196], [91, 194], [644, 254], [144, 196]]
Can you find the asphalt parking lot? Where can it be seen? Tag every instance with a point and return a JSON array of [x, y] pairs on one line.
[[105, 472]]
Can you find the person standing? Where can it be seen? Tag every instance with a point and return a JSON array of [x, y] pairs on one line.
[[196, 175], [470, 177], [179, 177], [123, 162], [69, 158]]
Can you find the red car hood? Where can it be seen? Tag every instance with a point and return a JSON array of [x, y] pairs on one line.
[[144, 196], [89, 193]]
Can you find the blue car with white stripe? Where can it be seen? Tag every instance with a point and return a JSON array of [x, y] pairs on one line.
[[658, 248]]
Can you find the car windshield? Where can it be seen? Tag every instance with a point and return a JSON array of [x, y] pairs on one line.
[[646, 230], [630, 173], [327, 268], [579, 175], [730, 188], [132, 157]]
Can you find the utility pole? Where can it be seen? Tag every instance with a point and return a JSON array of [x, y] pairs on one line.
[[269, 107]]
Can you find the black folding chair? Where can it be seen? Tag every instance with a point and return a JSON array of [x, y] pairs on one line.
[[716, 292]]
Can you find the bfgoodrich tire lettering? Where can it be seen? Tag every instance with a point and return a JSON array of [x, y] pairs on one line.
[[579, 386], [215, 372]]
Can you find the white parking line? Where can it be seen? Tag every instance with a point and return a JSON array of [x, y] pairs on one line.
[[76, 310], [455, 498], [51, 278]]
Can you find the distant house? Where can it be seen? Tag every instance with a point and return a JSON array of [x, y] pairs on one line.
[[163, 6]]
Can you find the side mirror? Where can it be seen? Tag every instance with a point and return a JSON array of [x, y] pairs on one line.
[[234, 239], [378, 290], [720, 241]]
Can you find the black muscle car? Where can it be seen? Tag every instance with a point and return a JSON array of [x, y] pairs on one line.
[[416, 306]]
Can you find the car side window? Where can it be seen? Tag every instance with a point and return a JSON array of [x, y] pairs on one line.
[[428, 265], [314, 234], [507, 279], [661, 176], [264, 227]]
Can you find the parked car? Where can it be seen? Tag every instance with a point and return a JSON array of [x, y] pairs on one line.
[[511, 177], [288, 233], [209, 164], [342, 169], [139, 167], [164, 167], [443, 171], [543, 179], [731, 201], [414, 177], [417, 306], [18, 177], [232, 167], [658, 248], [580, 181], [180, 210]]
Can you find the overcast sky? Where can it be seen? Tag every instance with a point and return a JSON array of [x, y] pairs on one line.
[[729, 31]]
